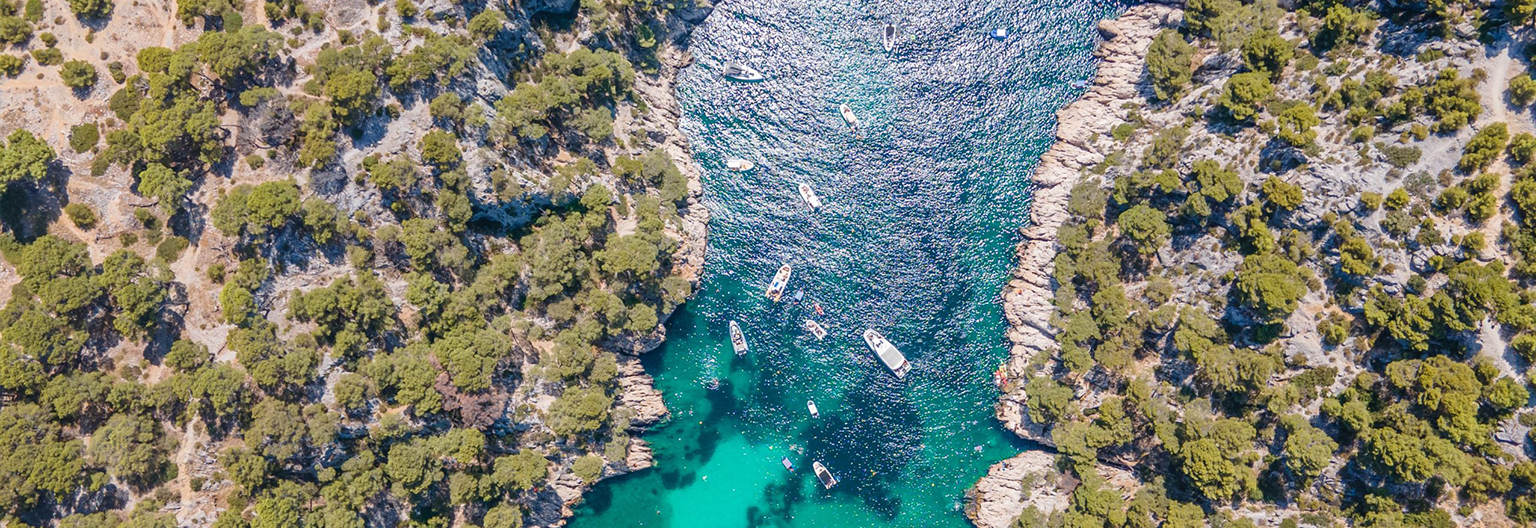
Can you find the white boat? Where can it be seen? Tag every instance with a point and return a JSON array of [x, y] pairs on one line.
[[811, 404], [738, 341], [827, 480], [999, 34], [847, 112], [887, 353], [739, 165], [809, 195], [888, 37], [787, 464], [780, 281], [816, 329], [737, 71]]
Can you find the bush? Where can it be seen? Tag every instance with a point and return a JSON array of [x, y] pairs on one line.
[[78, 74], [81, 215], [1400, 156], [1265, 52], [90, 8], [83, 137], [170, 249], [1244, 95], [1522, 147], [14, 30], [1522, 90], [588, 467], [48, 56], [1484, 148], [1170, 64], [10, 65]]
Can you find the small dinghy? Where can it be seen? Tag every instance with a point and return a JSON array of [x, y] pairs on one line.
[[848, 117], [739, 165], [816, 329], [738, 341], [819, 311], [827, 480], [888, 37], [811, 404], [999, 34], [809, 195], [780, 281], [739, 72], [787, 464]]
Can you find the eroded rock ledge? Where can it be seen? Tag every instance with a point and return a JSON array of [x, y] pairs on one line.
[[999, 497]]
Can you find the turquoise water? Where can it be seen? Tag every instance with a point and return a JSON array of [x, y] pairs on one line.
[[915, 239]]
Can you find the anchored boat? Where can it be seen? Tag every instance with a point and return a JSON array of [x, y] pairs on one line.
[[848, 117], [780, 281], [811, 404], [816, 329], [739, 72], [827, 480], [739, 165], [809, 195], [738, 341], [887, 353], [888, 37], [787, 464]]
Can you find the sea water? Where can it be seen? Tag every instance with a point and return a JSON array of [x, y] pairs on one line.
[[914, 239]]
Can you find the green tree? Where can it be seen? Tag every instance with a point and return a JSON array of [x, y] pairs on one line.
[[1484, 148], [588, 468], [1294, 124], [254, 210], [131, 448], [521, 471], [413, 467], [440, 149], [486, 24], [579, 411], [24, 156], [1522, 90], [78, 74], [1170, 64], [1244, 95], [1308, 450], [1284, 195], [1266, 52], [1209, 470], [1146, 227], [1270, 285], [167, 186]]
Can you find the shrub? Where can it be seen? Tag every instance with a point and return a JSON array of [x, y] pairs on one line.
[[1244, 95], [48, 56], [78, 74], [1522, 90], [1370, 201], [1400, 156], [81, 215], [1295, 125], [1522, 147], [1484, 147], [83, 137], [14, 30], [170, 249], [1265, 52], [588, 467], [90, 8], [1170, 64], [10, 65]]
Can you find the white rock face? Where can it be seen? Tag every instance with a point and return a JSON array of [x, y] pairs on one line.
[[1030, 479], [1027, 299]]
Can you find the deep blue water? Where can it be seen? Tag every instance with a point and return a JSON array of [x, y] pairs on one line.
[[915, 239]]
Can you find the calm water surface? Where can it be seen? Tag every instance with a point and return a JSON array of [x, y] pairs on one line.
[[914, 239]]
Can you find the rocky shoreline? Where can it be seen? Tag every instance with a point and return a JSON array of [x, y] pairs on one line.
[[998, 498]]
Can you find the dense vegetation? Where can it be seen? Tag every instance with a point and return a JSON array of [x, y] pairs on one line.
[[1259, 350], [427, 339]]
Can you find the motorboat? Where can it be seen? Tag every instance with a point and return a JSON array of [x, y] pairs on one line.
[[787, 464], [822, 474], [809, 195], [739, 165], [887, 353], [816, 329], [739, 72], [848, 117], [780, 281], [888, 37], [999, 34], [811, 404], [738, 341]]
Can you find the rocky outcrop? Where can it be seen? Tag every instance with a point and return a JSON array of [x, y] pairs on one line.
[[638, 393], [1030, 479], [1027, 299]]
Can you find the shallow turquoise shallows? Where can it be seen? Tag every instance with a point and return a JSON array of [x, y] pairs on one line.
[[915, 236]]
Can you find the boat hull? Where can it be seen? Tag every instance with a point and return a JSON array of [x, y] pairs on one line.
[[892, 358], [780, 281]]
